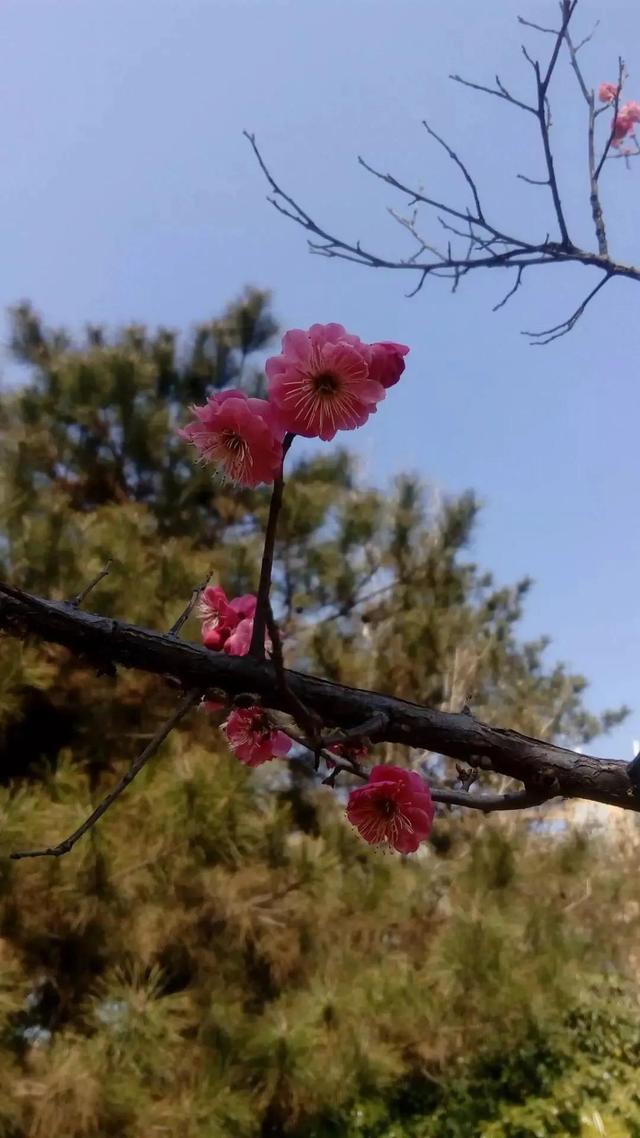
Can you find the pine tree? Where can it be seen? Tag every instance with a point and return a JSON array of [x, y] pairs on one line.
[[221, 955]]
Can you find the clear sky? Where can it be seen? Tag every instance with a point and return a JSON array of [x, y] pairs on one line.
[[128, 192]]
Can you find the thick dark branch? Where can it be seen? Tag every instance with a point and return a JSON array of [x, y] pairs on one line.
[[544, 769]]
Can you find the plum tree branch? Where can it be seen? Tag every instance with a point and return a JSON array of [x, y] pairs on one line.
[[486, 245], [545, 770]]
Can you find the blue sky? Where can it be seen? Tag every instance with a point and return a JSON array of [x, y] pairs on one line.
[[129, 193]]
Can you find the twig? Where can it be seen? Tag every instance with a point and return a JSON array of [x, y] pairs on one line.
[[533, 181], [511, 291], [76, 601], [547, 335], [616, 104], [518, 800], [368, 729], [191, 604], [500, 92], [63, 847], [542, 86], [264, 588], [340, 763], [461, 166]]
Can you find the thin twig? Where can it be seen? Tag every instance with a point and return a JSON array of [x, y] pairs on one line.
[[616, 104], [547, 335], [500, 92], [461, 166], [76, 601], [368, 729], [191, 604], [518, 282], [264, 587], [63, 847]]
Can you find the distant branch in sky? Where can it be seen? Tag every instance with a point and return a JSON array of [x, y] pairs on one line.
[[473, 240]]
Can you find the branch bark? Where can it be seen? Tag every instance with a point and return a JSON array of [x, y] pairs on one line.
[[545, 769]]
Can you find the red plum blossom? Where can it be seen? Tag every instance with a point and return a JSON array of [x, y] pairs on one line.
[[394, 808], [253, 738], [239, 436]]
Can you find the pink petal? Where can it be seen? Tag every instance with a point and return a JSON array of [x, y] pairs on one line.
[[239, 642]]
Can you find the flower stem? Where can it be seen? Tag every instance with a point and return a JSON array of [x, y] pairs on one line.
[[264, 587]]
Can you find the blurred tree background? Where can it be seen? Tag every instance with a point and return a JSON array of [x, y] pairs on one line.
[[221, 955]]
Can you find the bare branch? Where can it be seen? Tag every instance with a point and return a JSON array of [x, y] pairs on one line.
[[547, 335], [76, 601], [487, 246], [536, 27], [191, 604], [616, 104], [461, 166], [499, 91], [511, 291], [533, 181], [487, 803], [63, 847]]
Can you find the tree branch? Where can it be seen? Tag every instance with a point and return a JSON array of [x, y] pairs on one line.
[[154, 745], [488, 803], [266, 567], [485, 246], [544, 769]]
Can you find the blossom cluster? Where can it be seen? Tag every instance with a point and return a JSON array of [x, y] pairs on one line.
[[627, 116], [324, 380], [394, 808]]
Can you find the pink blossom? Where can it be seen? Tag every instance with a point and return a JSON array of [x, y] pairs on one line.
[[607, 92], [624, 122], [321, 382], [222, 619], [387, 364], [239, 642], [253, 738], [394, 807], [239, 436], [355, 751], [632, 111]]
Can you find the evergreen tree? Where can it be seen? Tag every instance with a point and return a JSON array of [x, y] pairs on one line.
[[221, 955]]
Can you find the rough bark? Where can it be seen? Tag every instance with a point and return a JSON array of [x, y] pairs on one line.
[[544, 769]]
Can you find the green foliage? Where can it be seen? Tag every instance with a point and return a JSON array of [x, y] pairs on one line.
[[222, 955]]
